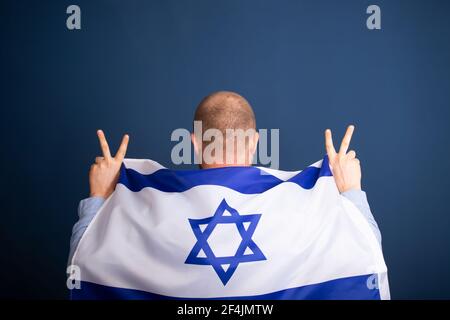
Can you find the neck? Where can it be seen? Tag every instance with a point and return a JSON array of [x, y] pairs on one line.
[[223, 165]]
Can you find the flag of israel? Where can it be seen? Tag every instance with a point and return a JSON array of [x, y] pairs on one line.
[[236, 232]]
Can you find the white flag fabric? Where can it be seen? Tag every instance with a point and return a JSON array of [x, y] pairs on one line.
[[228, 233]]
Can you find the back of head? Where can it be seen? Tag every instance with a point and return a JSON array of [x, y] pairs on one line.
[[227, 112]]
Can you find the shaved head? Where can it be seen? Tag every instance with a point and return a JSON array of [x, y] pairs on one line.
[[229, 126], [225, 110]]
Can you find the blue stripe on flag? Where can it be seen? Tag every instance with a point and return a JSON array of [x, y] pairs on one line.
[[351, 288], [248, 180]]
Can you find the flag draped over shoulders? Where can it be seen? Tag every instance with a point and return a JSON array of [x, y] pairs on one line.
[[228, 233]]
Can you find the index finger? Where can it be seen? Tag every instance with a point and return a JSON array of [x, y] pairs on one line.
[[329, 144], [103, 144], [120, 155], [346, 140]]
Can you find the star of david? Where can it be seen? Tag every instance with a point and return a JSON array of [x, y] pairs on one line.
[[247, 251]]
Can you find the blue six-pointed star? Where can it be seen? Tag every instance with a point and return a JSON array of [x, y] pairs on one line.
[[246, 233]]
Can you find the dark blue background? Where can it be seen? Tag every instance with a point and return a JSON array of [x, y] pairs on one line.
[[142, 66]]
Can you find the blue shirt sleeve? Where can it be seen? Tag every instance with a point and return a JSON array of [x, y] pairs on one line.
[[86, 212], [359, 199]]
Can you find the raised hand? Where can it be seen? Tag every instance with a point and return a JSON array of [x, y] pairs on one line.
[[104, 172], [345, 166]]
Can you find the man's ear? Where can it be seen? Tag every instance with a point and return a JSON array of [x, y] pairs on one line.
[[195, 144], [254, 143]]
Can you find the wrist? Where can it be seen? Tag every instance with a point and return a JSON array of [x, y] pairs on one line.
[[95, 194], [352, 192], [350, 188]]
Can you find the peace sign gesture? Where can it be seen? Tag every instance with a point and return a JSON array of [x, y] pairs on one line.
[[104, 172], [345, 166]]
